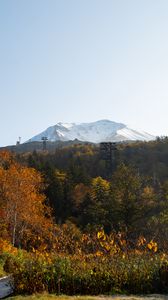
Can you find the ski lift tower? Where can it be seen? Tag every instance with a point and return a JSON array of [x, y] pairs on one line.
[[107, 152], [19, 141], [44, 139]]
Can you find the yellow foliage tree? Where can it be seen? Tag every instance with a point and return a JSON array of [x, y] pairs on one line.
[[25, 219]]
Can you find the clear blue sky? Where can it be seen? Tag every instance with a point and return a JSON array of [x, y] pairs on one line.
[[81, 61]]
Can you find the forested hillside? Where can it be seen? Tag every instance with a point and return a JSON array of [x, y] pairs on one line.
[[126, 194]]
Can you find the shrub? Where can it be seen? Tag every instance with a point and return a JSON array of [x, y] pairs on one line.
[[90, 274]]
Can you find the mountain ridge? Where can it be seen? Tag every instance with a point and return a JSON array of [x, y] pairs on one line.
[[94, 132]]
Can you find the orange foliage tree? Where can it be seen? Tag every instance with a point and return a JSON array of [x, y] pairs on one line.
[[25, 219]]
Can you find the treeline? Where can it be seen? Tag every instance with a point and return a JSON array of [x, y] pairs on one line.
[[150, 158], [129, 196]]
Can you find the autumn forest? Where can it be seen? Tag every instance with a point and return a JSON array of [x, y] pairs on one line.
[[73, 222]]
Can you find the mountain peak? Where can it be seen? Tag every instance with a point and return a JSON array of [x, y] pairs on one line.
[[94, 132]]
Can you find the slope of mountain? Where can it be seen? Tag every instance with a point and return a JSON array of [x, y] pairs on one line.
[[95, 132]]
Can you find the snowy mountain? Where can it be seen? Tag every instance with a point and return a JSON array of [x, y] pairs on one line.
[[95, 132]]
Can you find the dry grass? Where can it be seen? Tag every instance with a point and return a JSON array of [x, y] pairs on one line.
[[54, 297], [2, 273]]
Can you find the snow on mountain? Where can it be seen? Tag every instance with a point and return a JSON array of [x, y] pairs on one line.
[[95, 132]]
